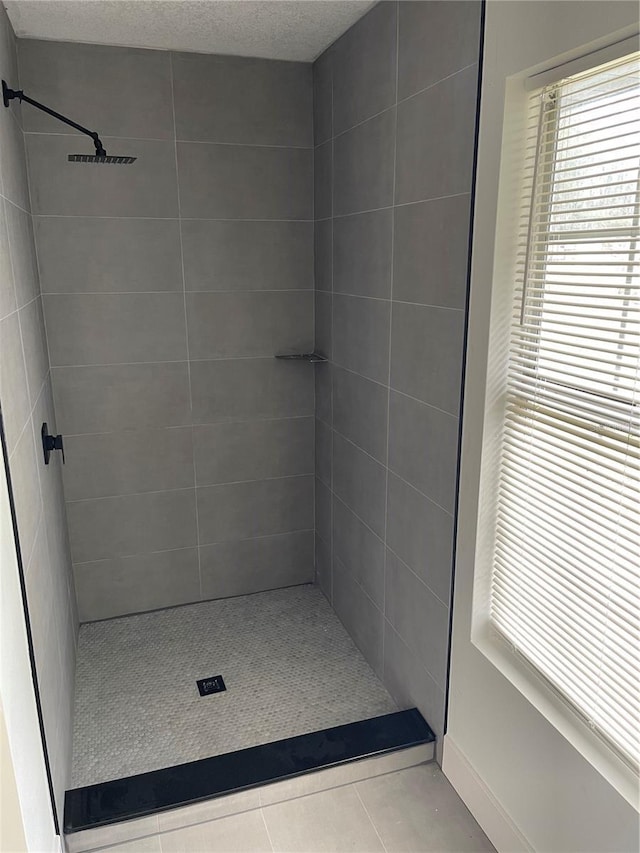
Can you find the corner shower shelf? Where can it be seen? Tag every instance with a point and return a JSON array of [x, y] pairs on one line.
[[311, 357]]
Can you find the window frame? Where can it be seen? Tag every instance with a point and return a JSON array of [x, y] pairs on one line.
[[487, 638]]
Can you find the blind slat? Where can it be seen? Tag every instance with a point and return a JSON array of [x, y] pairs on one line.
[[565, 585]]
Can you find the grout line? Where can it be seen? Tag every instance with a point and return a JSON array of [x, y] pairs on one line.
[[163, 218], [435, 83], [146, 429], [332, 325], [264, 821], [78, 563], [398, 100], [390, 470], [190, 488], [366, 810], [173, 139], [364, 121], [395, 390], [398, 204], [268, 357], [186, 320], [174, 292], [393, 229]]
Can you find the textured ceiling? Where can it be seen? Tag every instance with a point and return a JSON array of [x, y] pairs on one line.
[[276, 29]]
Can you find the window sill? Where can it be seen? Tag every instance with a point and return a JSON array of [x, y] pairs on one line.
[[558, 713]]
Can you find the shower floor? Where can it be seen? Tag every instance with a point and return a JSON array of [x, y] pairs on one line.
[[288, 664]]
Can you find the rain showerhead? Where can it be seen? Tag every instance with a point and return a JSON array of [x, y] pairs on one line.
[[99, 157]]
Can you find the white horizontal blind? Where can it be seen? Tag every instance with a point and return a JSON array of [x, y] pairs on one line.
[[565, 587]]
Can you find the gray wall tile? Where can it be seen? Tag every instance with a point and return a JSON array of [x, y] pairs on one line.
[[234, 389], [435, 39], [13, 163], [359, 550], [261, 508], [421, 534], [323, 394], [409, 682], [120, 463], [247, 255], [323, 511], [426, 354], [257, 101], [430, 255], [127, 396], [420, 618], [120, 585], [26, 401], [401, 197], [322, 98], [96, 254], [423, 448], [323, 440], [131, 524], [323, 251], [249, 325], [362, 619], [360, 482], [362, 251], [363, 166], [364, 80], [323, 323], [323, 567], [34, 343], [145, 188], [14, 390], [115, 328], [244, 182], [361, 335], [253, 450], [26, 491], [9, 60], [322, 171], [22, 252], [360, 412], [443, 167], [7, 290], [94, 85], [253, 565]]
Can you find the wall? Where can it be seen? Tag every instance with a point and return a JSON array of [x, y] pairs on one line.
[[168, 287], [525, 783], [26, 401], [395, 105]]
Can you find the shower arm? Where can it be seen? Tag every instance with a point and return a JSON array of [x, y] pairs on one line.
[[9, 95]]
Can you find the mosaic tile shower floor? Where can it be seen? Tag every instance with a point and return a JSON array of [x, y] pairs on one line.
[[288, 664]]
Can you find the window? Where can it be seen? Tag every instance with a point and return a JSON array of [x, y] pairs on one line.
[[565, 570]]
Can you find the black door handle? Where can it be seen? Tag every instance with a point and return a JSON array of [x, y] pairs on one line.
[[50, 443]]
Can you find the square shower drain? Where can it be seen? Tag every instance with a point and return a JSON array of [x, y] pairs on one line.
[[215, 684]]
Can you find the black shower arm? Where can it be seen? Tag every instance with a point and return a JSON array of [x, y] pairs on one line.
[[9, 94]]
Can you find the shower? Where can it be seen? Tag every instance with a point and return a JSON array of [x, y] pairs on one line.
[[100, 156]]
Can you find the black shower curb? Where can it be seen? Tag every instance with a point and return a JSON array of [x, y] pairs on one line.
[[195, 781]]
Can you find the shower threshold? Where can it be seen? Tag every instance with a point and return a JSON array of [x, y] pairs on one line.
[[221, 775]]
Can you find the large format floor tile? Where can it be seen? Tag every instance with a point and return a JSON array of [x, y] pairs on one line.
[[412, 809]]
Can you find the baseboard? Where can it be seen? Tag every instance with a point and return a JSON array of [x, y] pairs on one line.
[[496, 823]]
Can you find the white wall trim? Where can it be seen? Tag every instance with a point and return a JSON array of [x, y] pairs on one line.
[[496, 823]]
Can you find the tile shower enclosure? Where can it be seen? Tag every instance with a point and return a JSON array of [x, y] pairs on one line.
[[273, 206]]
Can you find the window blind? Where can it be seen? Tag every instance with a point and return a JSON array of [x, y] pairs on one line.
[[565, 584]]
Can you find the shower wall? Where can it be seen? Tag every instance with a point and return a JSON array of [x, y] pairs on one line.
[[168, 286], [26, 401], [395, 108]]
